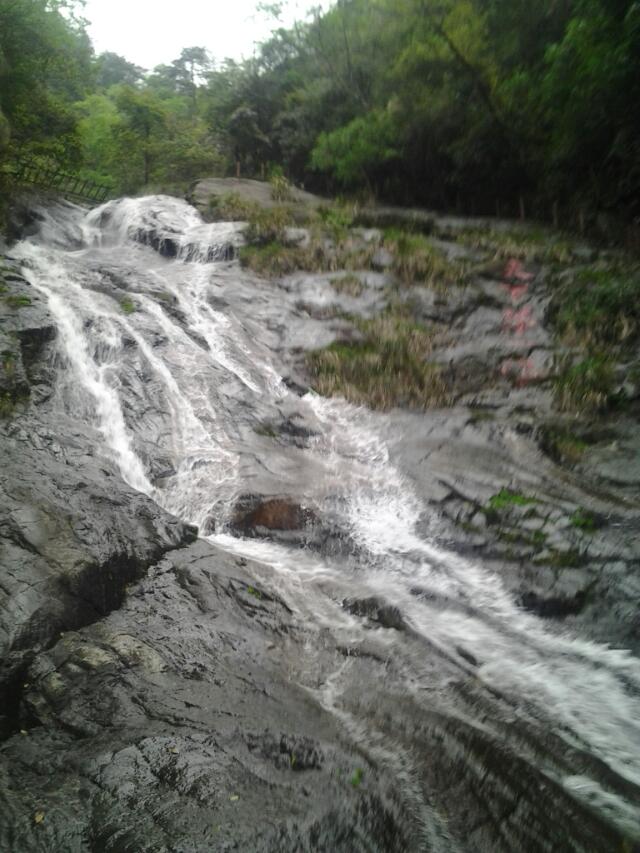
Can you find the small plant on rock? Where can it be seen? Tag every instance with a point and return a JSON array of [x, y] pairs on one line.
[[280, 187], [586, 386], [417, 261]]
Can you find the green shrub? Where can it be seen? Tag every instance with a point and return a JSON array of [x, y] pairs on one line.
[[267, 224], [280, 187], [232, 207], [335, 221]]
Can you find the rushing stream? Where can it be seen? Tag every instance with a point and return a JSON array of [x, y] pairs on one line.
[[180, 372]]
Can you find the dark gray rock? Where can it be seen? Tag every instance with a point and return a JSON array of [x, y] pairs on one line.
[[172, 725]]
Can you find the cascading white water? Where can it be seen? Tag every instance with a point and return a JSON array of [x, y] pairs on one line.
[[177, 387]]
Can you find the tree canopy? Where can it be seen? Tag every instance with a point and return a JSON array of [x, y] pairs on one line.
[[441, 102]]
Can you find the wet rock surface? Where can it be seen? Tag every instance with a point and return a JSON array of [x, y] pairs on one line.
[[162, 693], [186, 733], [73, 535]]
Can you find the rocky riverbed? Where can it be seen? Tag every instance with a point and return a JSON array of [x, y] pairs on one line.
[[392, 632]]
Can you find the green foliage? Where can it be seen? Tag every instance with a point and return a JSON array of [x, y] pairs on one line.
[[450, 103], [563, 445], [336, 221], [127, 305], [19, 301], [586, 386], [280, 187], [505, 498], [455, 101], [231, 207], [527, 245], [584, 521], [268, 224], [388, 367], [356, 778], [417, 261], [352, 153], [45, 64], [599, 307]]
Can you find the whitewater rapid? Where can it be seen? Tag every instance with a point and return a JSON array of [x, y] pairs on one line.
[[179, 376]]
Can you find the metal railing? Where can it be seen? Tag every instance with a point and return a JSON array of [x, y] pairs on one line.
[[55, 180]]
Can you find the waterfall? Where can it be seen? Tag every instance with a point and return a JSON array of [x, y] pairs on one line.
[[177, 356]]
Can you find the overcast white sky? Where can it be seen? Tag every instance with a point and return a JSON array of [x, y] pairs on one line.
[[151, 32]]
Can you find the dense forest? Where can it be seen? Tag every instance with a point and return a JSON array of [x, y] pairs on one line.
[[477, 105]]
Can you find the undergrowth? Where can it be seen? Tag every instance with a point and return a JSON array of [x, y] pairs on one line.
[[586, 386], [417, 261], [529, 245], [348, 285], [388, 367], [598, 307], [274, 259], [506, 498], [563, 445]]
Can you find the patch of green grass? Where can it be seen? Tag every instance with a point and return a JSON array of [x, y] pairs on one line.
[[417, 261], [274, 259], [335, 221], [254, 592], [127, 305], [268, 224], [19, 301], [265, 224], [506, 498], [356, 778], [515, 536], [526, 245], [562, 445], [583, 520], [388, 367], [271, 260], [586, 386], [348, 285], [231, 207], [598, 307], [539, 538]]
